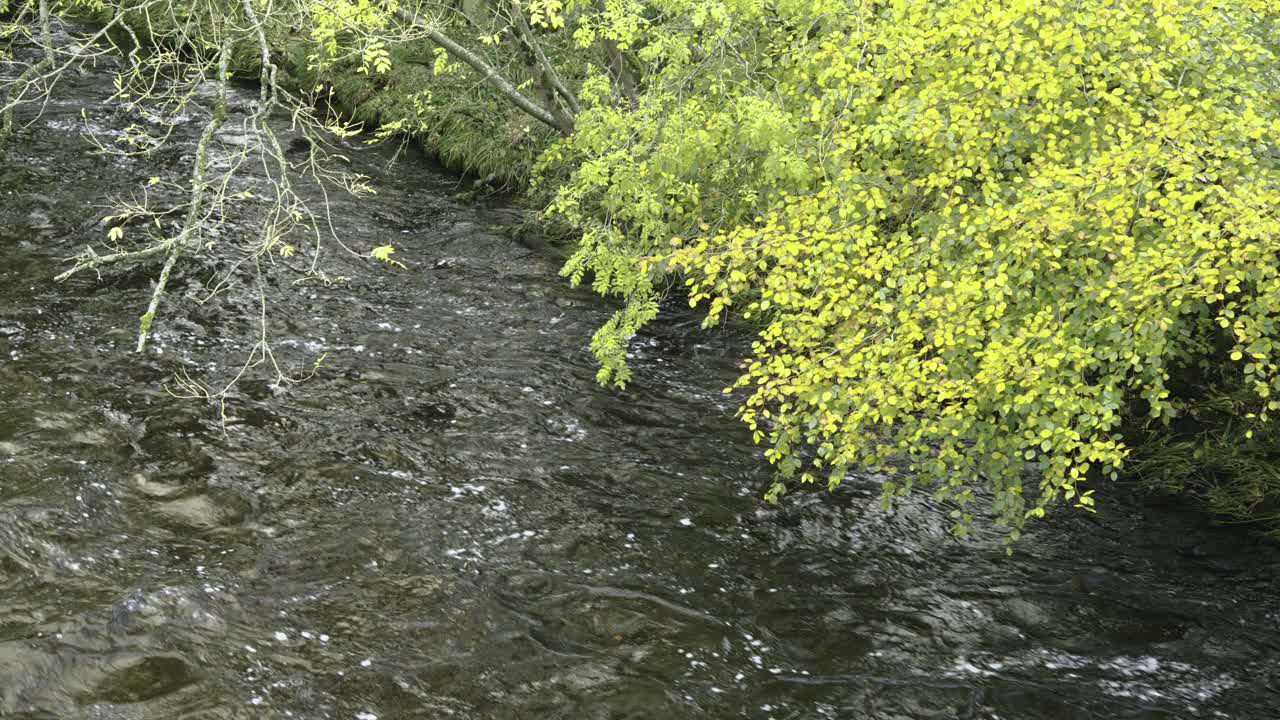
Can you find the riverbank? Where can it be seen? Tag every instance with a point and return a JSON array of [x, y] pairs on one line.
[[447, 113]]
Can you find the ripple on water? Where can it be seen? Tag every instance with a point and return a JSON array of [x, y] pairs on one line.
[[64, 682], [451, 519]]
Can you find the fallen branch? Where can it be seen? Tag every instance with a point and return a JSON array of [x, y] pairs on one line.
[[90, 260]]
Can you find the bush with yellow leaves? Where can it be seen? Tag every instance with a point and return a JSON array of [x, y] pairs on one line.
[[975, 235]]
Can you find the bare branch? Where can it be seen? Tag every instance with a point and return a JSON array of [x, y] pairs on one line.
[[191, 225]]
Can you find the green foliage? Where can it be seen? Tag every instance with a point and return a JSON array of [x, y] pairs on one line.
[[982, 242], [1214, 454], [344, 29], [383, 253], [453, 118], [975, 235]]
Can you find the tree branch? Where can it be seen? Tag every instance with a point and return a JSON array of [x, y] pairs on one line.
[[490, 75], [619, 71], [45, 68], [90, 260], [615, 62], [544, 65], [30, 75], [190, 226]]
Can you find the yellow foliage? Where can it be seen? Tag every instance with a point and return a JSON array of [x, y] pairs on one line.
[[975, 234]]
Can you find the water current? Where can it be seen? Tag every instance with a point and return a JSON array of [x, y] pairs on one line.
[[453, 520]]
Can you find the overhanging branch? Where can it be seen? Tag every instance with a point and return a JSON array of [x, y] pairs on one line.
[[489, 74]]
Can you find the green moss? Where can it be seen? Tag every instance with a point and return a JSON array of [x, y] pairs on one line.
[[452, 117]]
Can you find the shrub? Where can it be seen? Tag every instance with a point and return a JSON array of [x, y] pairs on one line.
[[975, 235]]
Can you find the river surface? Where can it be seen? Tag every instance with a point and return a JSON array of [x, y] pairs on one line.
[[452, 520]]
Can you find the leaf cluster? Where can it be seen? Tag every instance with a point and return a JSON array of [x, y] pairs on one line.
[[975, 235]]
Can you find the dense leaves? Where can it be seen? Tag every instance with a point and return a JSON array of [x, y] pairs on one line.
[[974, 234]]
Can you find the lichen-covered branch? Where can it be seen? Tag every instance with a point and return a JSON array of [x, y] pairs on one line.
[[90, 260], [190, 226]]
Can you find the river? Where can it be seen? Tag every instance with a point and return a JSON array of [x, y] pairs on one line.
[[452, 520]]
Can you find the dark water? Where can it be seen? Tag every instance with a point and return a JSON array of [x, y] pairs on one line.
[[452, 520]]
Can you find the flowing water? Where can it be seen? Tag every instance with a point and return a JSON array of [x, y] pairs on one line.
[[452, 520]]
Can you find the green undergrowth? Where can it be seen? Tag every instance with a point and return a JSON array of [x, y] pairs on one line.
[[451, 116], [1217, 458]]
